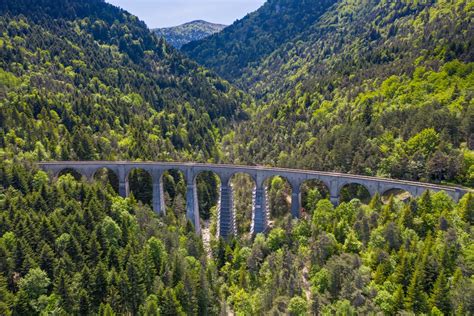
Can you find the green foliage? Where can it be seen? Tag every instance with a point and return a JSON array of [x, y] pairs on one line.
[[276, 239], [248, 41], [90, 81], [35, 283], [347, 267], [297, 306], [350, 91], [151, 306], [440, 296], [103, 258], [377, 88], [467, 208], [106, 310], [120, 258]]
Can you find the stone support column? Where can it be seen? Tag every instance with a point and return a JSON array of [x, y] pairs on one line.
[[260, 210], [192, 203], [158, 193], [226, 218], [124, 188], [296, 202], [334, 192]]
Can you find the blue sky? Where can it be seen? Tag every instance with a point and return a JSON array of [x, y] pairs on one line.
[[162, 13]]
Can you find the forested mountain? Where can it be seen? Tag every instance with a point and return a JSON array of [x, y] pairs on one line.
[[86, 80], [369, 87], [188, 32], [249, 40]]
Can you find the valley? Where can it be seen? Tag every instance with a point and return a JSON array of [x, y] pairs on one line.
[[315, 157]]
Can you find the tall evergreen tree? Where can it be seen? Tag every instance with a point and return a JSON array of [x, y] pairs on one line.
[[440, 295]]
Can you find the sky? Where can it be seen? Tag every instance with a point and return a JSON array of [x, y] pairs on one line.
[[164, 13]]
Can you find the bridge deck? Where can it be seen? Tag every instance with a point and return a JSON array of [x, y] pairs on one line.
[[245, 168]]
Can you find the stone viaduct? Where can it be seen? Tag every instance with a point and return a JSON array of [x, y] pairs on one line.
[[260, 215]]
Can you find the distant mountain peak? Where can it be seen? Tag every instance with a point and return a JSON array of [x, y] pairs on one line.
[[188, 32]]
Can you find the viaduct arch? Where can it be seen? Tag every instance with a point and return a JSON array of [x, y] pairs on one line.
[[226, 225]]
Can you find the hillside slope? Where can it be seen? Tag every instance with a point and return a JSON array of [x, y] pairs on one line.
[[177, 36], [86, 80], [358, 40], [365, 89], [249, 40]]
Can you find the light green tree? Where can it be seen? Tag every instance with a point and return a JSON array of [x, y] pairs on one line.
[[297, 306], [35, 283]]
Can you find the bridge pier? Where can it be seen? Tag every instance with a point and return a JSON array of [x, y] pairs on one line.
[[334, 200], [260, 210], [192, 204], [334, 190], [158, 193], [296, 202], [124, 188], [226, 218]]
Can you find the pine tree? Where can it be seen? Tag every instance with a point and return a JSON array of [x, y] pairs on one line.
[[99, 288], [6, 298], [169, 305], [105, 310], [388, 210], [62, 289], [467, 209], [84, 303], [440, 295], [151, 306], [5, 264], [416, 298], [157, 253], [22, 305], [203, 294], [398, 299], [425, 204], [136, 286]]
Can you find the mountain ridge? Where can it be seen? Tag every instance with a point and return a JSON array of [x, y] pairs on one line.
[[185, 33], [248, 40]]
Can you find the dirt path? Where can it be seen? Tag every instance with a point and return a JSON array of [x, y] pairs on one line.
[[206, 240], [306, 284], [206, 237]]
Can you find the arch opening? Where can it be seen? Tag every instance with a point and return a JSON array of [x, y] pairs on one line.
[[208, 186], [71, 171], [352, 191], [312, 191], [174, 189], [141, 185], [243, 187], [278, 196], [397, 193], [107, 177], [208, 189]]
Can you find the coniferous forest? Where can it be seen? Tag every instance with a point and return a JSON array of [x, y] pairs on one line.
[[378, 88]]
